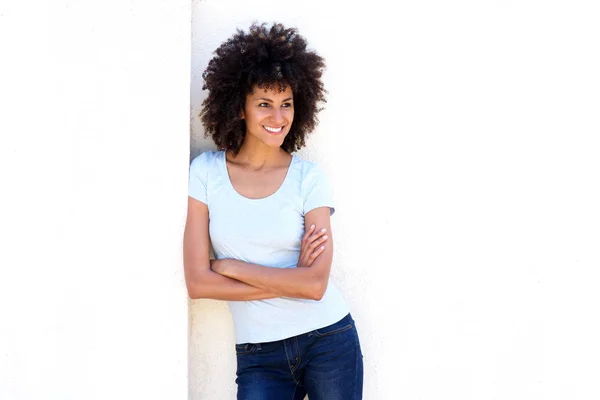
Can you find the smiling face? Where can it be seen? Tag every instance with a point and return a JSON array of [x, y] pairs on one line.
[[269, 115]]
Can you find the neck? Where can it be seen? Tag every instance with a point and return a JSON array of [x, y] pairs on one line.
[[257, 155]]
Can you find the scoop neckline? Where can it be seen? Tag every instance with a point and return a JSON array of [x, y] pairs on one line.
[[233, 189]]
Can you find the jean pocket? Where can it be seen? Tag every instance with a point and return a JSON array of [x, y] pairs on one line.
[[244, 348], [341, 326]]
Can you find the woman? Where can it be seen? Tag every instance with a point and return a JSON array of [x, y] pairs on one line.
[[253, 201]]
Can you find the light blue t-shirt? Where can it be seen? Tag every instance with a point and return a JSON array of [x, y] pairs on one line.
[[267, 232]]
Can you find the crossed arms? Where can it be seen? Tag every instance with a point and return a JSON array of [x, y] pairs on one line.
[[230, 279]]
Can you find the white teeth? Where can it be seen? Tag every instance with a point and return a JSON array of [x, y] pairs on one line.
[[274, 130]]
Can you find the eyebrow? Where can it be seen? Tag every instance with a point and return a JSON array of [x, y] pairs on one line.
[[270, 101]]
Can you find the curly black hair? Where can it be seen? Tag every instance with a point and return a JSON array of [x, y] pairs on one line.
[[270, 58]]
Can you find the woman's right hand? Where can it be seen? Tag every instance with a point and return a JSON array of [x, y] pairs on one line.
[[312, 246]]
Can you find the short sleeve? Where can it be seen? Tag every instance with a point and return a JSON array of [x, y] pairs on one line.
[[198, 178], [316, 190]]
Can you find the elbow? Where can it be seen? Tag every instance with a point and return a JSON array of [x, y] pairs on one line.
[[197, 290], [316, 296], [193, 292], [200, 285], [317, 290]]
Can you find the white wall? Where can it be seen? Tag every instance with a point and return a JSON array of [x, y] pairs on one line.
[[464, 167], [461, 140], [94, 144]]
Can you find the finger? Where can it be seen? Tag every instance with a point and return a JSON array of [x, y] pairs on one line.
[[308, 233], [318, 242], [313, 237], [316, 253], [317, 235]]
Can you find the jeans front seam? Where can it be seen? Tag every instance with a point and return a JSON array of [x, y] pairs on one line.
[[287, 356], [298, 358]]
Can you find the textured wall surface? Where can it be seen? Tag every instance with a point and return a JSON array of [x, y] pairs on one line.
[[94, 142], [461, 142]]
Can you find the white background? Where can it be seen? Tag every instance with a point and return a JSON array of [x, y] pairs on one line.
[[461, 140], [94, 144]]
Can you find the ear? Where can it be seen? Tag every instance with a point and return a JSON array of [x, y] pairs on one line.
[[242, 116]]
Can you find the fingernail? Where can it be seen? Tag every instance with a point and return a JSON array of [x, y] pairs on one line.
[[323, 230], [312, 227], [325, 237]]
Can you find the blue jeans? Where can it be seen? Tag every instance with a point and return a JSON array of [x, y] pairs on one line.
[[326, 364]]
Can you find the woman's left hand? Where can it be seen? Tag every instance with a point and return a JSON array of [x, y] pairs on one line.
[[313, 244]]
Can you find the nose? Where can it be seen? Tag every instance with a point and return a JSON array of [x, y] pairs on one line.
[[277, 115]]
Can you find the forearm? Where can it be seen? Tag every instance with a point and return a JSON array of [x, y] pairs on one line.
[[211, 285], [201, 281], [304, 283]]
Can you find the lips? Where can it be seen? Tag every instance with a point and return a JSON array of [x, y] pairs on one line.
[[273, 130]]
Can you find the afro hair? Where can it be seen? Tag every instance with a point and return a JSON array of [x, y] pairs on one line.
[[267, 58]]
